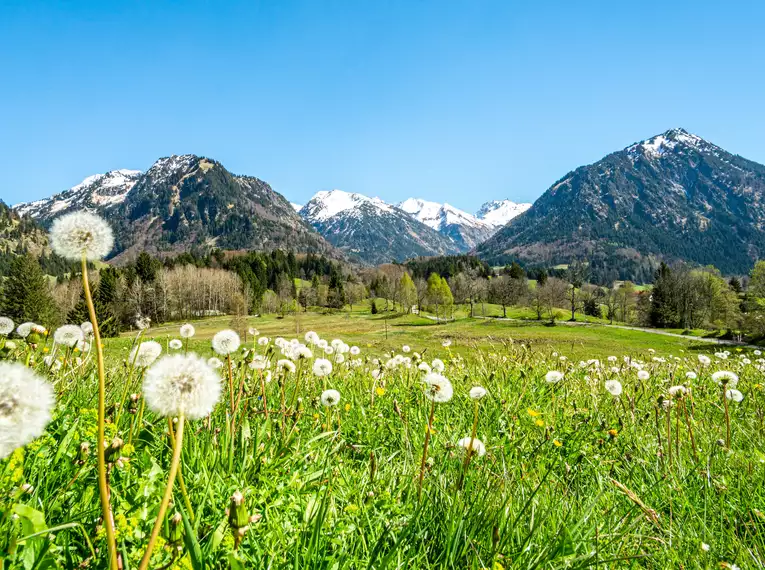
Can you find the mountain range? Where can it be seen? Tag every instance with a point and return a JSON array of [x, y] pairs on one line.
[[193, 203], [673, 196]]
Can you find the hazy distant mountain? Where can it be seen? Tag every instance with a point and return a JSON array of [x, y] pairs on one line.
[[372, 230], [673, 195], [466, 230]]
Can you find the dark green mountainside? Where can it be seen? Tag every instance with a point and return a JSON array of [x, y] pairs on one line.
[[673, 196]]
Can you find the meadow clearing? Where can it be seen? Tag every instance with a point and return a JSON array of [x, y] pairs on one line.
[[545, 447]]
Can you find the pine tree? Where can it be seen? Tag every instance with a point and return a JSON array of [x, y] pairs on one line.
[[25, 295]]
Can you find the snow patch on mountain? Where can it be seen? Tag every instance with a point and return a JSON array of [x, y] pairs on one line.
[[439, 216], [327, 204], [95, 191], [497, 213]]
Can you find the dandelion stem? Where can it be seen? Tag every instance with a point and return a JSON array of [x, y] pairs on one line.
[[263, 393], [181, 483], [425, 450], [727, 416], [690, 431], [669, 435], [168, 494], [103, 486], [469, 453]]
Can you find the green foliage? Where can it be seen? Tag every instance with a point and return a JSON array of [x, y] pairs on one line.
[[26, 295]]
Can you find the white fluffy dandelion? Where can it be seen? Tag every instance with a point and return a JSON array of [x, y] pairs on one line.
[[286, 365], [24, 329], [145, 354], [214, 363], [477, 392], [263, 341], [182, 385], [322, 367], [734, 395], [68, 335], [405, 349], [26, 401], [437, 365], [725, 377], [225, 342], [6, 326], [175, 344], [553, 376], [614, 387], [330, 398], [355, 351], [447, 343], [691, 375], [438, 388], [187, 330], [677, 391], [311, 337], [474, 445], [87, 329], [258, 362], [643, 375], [81, 234], [704, 360]]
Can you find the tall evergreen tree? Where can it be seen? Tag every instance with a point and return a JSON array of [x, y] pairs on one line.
[[26, 296]]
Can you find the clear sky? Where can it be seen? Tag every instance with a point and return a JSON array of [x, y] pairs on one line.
[[451, 100]]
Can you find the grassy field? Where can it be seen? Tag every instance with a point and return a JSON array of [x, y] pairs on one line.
[[382, 333], [584, 461]]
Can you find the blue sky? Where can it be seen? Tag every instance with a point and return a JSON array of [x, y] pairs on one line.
[[450, 100]]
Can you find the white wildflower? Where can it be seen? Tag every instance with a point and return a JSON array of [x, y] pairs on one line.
[[175, 344], [81, 234], [68, 335], [477, 392], [182, 385], [474, 445], [26, 401], [225, 342], [734, 395], [322, 367], [553, 376], [614, 387], [145, 354], [438, 388], [725, 377], [6, 326], [330, 398], [187, 330]]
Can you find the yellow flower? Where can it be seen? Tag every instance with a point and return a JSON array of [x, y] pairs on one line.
[[533, 413], [380, 391], [347, 407], [613, 432], [540, 423], [46, 349], [557, 443], [316, 416]]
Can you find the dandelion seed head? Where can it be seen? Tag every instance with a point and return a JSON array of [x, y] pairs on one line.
[[438, 388], [475, 445], [477, 392], [175, 344], [322, 367], [214, 362], [614, 387], [286, 365], [187, 331], [643, 375], [24, 329], [734, 395], [553, 376], [6, 326], [145, 354], [263, 341], [182, 385], [87, 328], [437, 365], [677, 391], [26, 402], [704, 360], [725, 377], [68, 335], [330, 398], [225, 342], [81, 234]]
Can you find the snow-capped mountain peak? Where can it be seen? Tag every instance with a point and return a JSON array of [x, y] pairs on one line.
[[96, 191], [327, 204], [438, 216], [498, 212], [668, 141]]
